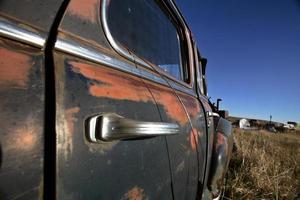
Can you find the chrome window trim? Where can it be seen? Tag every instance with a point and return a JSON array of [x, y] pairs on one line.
[[82, 51], [189, 44], [183, 89], [198, 69], [119, 49], [125, 53], [90, 54], [17, 31]]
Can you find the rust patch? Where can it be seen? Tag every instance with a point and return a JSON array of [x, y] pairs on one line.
[[101, 147], [194, 139], [191, 104], [26, 136], [173, 108], [166, 97], [113, 84], [121, 86], [15, 68], [86, 10], [70, 119], [135, 193], [66, 130]]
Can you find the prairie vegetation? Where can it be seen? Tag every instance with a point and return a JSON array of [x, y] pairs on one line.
[[264, 165]]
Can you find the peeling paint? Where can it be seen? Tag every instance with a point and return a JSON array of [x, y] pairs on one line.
[[173, 107], [70, 119], [25, 136], [86, 10], [191, 104], [166, 97], [112, 84], [194, 138], [101, 147], [66, 129], [15, 68], [135, 193], [117, 85]]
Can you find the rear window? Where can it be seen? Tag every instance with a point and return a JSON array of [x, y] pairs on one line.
[[142, 27]]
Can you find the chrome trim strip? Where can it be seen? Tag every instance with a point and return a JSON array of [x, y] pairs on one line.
[[183, 89], [123, 52], [110, 126], [153, 77], [77, 49], [14, 31], [212, 114], [188, 37]]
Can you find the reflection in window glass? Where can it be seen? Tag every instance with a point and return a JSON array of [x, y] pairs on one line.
[[143, 28]]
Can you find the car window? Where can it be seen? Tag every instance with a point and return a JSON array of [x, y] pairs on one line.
[[143, 27]]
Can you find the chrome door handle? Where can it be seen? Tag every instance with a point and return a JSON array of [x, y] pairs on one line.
[[210, 116], [110, 126]]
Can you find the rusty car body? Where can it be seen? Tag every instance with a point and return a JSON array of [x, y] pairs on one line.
[[105, 99]]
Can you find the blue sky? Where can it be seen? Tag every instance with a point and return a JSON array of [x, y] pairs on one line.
[[253, 52]]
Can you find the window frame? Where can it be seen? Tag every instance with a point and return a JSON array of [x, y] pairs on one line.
[[198, 70], [170, 9]]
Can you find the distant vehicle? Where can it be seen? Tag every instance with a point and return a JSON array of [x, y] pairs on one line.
[[106, 99], [290, 127], [244, 124]]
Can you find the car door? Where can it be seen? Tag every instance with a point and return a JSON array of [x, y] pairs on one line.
[[92, 79], [157, 43], [201, 89], [24, 28]]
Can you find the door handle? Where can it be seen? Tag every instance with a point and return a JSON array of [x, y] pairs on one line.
[[110, 126], [210, 116]]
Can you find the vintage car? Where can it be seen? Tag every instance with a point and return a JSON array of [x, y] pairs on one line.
[[106, 99]]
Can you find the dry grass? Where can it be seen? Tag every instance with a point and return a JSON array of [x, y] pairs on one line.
[[264, 166]]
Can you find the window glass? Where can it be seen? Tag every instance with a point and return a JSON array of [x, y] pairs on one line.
[[142, 27]]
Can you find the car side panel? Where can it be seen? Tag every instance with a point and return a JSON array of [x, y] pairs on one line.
[[182, 151], [103, 82], [197, 118], [210, 134], [107, 170], [39, 14], [82, 19], [21, 120]]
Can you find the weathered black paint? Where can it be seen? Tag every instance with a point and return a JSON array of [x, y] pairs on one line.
[[90, 171], [182, 155], [21, 121], [82, 19], [49, 190], [151, 168], [37, 13]]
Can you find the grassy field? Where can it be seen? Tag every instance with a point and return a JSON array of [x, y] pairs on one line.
[[264, 166]]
